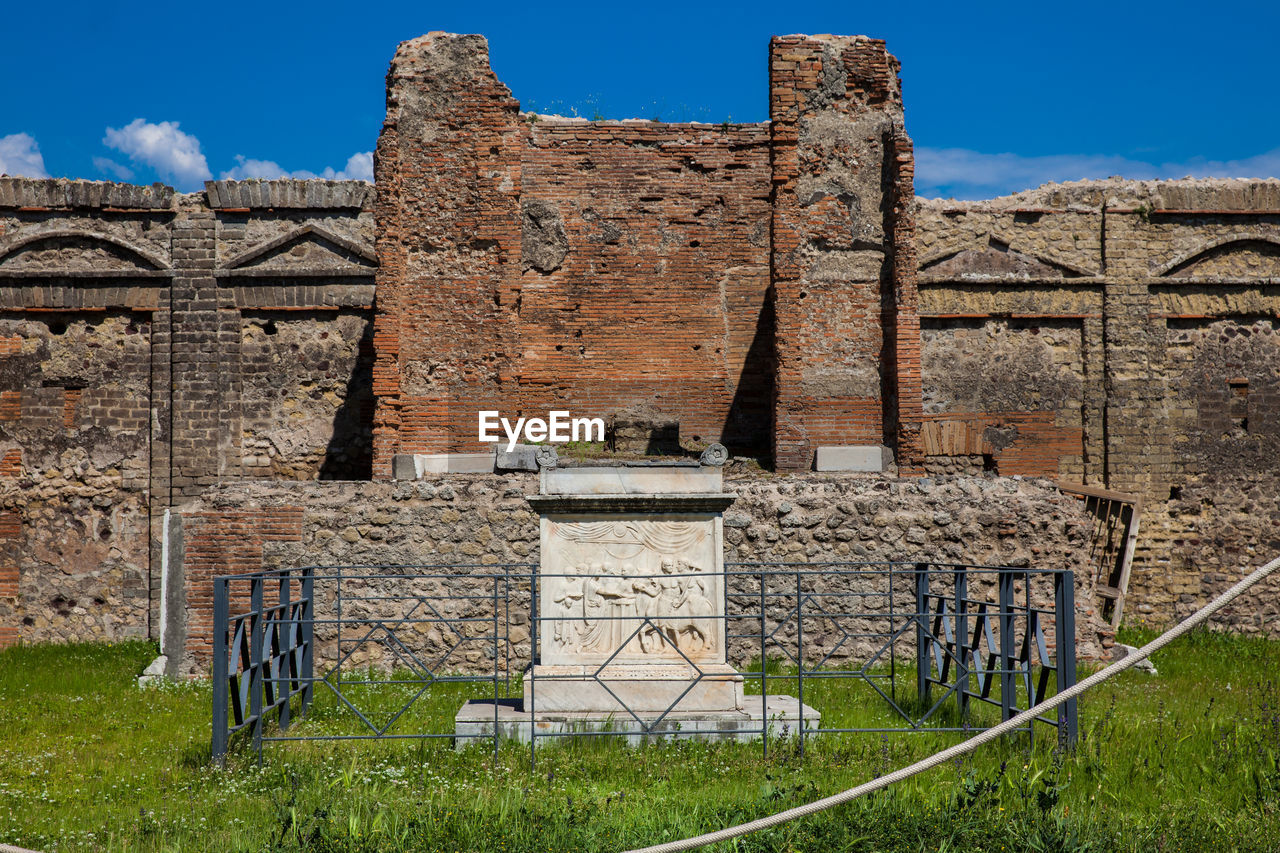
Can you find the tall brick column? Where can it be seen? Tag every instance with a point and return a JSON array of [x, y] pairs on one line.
[[198, 405], [840, 162], [448, 243], [160, 491], [1139, 452]]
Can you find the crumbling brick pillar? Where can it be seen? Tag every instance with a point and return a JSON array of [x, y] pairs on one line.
[[900, 318], [448, 240], [840, 162], [11, 604]]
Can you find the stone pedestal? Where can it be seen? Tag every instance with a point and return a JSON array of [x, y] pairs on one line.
[[630, 611], [636, 688], [631, 592], [779, 716]]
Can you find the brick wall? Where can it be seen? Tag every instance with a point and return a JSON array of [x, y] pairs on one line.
[[900, 317], [449, 242], [10, 578], [618, 270], [654, 304], [636, 271], [223, 541]]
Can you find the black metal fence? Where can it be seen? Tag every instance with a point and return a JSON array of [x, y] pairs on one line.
[[389, 638], [263, 654]]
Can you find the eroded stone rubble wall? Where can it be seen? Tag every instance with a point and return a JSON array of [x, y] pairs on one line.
[[484, 521], [633, 270]]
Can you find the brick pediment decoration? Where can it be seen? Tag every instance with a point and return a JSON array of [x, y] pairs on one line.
[[308, 250], [996, 259], [64, 252], [1235, 256]]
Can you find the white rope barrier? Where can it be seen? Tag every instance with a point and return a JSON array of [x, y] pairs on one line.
[[987, 736]]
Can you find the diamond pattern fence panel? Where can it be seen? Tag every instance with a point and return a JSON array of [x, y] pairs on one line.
[[388, 652]]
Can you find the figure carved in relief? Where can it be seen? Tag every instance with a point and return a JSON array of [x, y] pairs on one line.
[[694, 605], [604, 607], [570, 601], [592, 607], [622, 604], [611, 601], [656, 600]]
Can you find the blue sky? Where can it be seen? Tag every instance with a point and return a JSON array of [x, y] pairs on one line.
[[1000, 96]]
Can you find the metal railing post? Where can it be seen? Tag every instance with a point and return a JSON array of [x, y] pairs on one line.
[[962, 639], [800, 658], [1064, 599], [307, 616], [1008, 683], [764, 674], [495, 670], [285, 674], [506, 639], [337, 669], [255, 662], [531, 698], [922, 635], [221, 611], [893, 641]]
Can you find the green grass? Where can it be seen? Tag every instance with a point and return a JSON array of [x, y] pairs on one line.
[[1186, 760]]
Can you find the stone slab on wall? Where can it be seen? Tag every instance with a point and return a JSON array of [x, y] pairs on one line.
[[851, 458]]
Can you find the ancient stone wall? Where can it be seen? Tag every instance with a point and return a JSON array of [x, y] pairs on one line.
[[644, 292], [152, 345], [1124, 335], [449, 246], [485, 521], [773, 287]]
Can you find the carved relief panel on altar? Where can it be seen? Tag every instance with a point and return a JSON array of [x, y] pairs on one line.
[[631, 589]]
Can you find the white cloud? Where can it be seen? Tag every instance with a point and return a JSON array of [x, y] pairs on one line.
[[1265, 165], [961, 173], [266, 169], [20, 156], [359, 168], [108, 166], [162, 146]]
